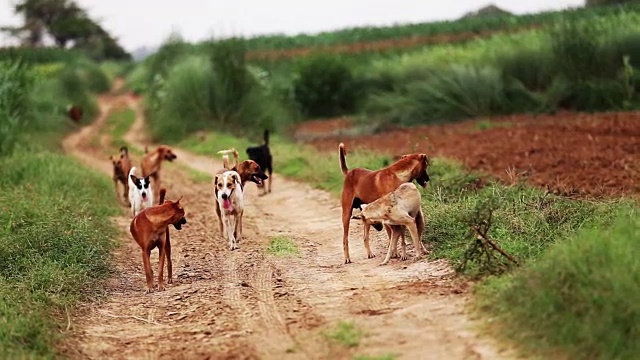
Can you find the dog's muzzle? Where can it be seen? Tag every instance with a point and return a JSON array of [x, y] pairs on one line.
[[259, 178], [423, 180], [224, 196], [179, 223]]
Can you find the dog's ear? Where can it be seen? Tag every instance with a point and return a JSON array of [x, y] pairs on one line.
[[134, 178], [146, 178], [425, 158], [234, 178]]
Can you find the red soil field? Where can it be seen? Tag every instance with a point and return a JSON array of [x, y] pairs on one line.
[[586, 155], [380, 45]]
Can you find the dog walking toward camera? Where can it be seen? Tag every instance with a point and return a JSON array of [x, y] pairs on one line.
[[364, 186], [121, 168], [150, 229], [262, 155], [140, 192], [396, 210], [230, 203]]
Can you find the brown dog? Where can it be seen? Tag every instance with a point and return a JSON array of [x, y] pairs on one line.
[[152, 163], [363, 186], [121, 168], [150, 229], [248, 170]]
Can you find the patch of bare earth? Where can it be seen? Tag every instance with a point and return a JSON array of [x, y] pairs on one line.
[[570, 153], [248, 304]]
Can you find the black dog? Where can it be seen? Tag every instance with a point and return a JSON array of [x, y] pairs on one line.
[[262, 155]]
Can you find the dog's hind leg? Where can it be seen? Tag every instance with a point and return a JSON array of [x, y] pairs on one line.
[[167, 247], [148, 273], [346, 218], [270, 179], [238, 230]]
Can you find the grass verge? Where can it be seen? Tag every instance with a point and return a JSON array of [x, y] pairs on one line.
[[282, 246], [580, 298], [54, 247]]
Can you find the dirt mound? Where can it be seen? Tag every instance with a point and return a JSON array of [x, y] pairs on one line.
[[572, 154]]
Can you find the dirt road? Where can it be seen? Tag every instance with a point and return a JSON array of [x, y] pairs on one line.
[[248, 304]]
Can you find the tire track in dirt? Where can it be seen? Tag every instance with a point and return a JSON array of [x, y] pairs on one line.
[[248, 305]]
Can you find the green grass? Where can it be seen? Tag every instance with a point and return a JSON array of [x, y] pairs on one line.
[[579, 299], [117, 125], [282, 246], [345, 333], [54, 247]]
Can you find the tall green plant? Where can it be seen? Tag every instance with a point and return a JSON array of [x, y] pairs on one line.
[[16, 82], [232, 82]]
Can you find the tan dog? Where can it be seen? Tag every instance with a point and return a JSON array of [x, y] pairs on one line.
[[363, 186], [398, 209], [121, 168], [230, 203], [150, 229], [152, 163]]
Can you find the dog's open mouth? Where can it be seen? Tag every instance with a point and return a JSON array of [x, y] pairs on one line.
[[170, 157], [179, 223], [259, 178], [226, 203]]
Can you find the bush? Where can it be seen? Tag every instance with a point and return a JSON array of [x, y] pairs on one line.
[[16, 82], [324, 86], [580, 298], [216, 91], [457, 93], [587, 95], [531, 67], [77, 91]]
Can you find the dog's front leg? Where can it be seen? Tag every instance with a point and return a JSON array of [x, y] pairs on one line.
[[230, 225], [417, 243], [167, 246], [238, 230], [394, 252], [367, 229], [146, 263], [346, 218], [161, 256], [393, 243]]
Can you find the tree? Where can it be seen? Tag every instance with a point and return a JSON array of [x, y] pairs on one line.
[[66, 23], [608, 2]]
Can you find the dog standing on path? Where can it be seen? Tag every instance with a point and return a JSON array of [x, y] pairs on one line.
[[150, 229], [152, 162], [140, 192], [121, 168], [364, 186], [230, 201], [397, 210], [262, 155]]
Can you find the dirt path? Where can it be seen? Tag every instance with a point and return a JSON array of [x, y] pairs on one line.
[[247, 304]]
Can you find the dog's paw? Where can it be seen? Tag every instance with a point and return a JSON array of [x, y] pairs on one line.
[[148, 290], [371, 256], [161, 287], [403, 257], [169, 281], [383, 263], [347, 261]]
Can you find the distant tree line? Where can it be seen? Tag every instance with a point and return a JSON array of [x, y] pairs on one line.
[[69, 25], [608, 2]]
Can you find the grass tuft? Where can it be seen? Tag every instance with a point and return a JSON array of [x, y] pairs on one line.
[[282, 246], [345, 333]]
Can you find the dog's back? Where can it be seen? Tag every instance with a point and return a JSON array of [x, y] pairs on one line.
[[405, 200], [262, 154]]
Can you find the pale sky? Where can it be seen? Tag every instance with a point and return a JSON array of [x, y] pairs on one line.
[[148, 22]]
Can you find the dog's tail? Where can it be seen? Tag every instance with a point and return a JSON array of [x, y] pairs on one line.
[[225, 157], [163, 193], [124, 151], [266, 137], [146, 149], [343, 160]]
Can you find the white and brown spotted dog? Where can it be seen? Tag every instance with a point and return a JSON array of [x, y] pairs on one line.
[[230, 201]]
